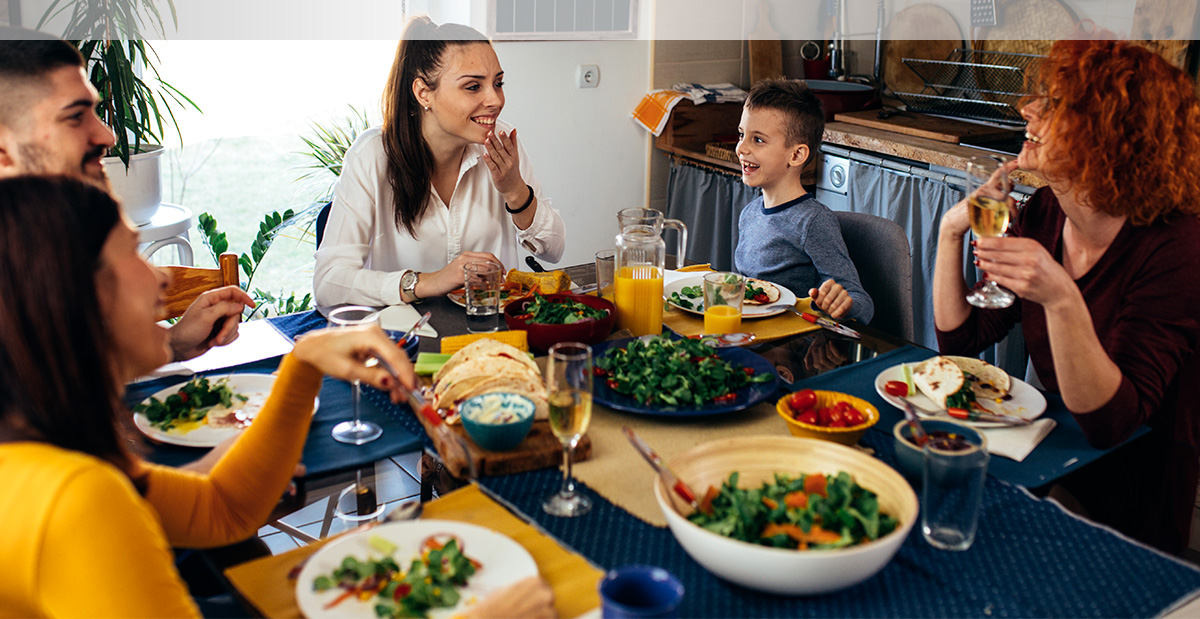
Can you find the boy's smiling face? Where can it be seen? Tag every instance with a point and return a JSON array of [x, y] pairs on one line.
[[767, 157]]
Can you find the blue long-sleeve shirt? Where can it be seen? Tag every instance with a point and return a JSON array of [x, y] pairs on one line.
[[799, 245]]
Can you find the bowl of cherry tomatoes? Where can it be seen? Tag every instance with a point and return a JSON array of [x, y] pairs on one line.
[[827, 415]]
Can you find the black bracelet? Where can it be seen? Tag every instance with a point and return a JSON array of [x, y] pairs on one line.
[[528, 202]]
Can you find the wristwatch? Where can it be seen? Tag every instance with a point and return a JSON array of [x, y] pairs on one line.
[[408, 284]]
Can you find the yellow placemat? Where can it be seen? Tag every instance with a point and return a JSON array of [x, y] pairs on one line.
[[617, 472], [264, 582], [773, 328]]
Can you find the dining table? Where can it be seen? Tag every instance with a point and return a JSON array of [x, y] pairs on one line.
[[1030, 556]]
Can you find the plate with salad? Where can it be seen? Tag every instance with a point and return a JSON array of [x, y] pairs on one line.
[[420, 568], [672, 377], [763, 298], [975, 392], [205, 410]]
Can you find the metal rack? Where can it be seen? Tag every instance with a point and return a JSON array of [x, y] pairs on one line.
[[974, 84]]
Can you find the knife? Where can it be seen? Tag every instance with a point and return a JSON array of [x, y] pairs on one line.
[[828, 324], [411, 332]]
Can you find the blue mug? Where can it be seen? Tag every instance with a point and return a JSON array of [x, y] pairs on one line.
[[639, 591]]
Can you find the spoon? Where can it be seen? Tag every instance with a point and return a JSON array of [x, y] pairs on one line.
[[656, 462]]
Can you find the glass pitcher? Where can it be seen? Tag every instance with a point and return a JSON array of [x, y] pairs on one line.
[[641, 253], [657, 221]]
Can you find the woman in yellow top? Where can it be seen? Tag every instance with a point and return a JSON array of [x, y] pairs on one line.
[[88, 526]]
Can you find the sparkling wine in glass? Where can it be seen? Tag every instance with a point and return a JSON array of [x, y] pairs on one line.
[[989, 212], [569, 391], [356, 431]]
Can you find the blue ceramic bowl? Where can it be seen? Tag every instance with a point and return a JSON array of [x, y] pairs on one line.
[[639, 591], [516, 417], [910, 460], [410, 347]]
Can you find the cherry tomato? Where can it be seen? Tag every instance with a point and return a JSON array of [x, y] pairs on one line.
[[728, 397], [896, 387], [612, 384], [853, 417], [748, 371], [837, 423], [802, 400], [842, 407], [761, 298], [599, 371], [836, 416], [825, 415], [809, 416]]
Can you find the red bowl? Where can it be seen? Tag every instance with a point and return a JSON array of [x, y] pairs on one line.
[[542, 337]]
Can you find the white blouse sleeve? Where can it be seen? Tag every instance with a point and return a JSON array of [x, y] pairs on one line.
[[545, 237], [340, 275]]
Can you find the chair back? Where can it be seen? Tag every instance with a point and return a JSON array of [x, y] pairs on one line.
[[322, 219], [187, 283], [880, 251]]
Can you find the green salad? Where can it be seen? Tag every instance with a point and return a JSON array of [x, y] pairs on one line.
[[559, 312], [190, 404], [688, 295], [671, 372], [805, 512], [430, 582]]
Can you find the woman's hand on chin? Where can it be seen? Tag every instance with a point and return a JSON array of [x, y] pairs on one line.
[[503, 161], [1026, 268], [451, 277]]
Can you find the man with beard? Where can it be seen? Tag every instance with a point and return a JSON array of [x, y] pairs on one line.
[[48, 125]]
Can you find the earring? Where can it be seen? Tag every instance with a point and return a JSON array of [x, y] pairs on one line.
[[426, 108]]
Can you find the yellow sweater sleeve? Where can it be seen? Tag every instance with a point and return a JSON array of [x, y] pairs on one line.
[[235, 498], [103, 553]]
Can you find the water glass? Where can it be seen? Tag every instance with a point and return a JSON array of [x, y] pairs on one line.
[[606, 263], [723, 296], [569, 393], [952, 495], [640, 591], [356, 431], [482, 282]]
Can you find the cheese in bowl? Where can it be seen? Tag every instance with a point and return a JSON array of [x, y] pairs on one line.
[[497, 421]]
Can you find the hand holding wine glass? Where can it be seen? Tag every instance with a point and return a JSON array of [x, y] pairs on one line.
[[989, 209], [569, 392]]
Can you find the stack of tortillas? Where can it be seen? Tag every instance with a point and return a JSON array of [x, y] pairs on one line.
[[488, 366], [941, 377]]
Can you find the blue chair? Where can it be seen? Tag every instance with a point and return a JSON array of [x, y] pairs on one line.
[[322, 219], [879, 249]]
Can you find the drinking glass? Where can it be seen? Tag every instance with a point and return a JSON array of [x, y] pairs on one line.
[[569, 391], [606, 263], [988, 209], [357, 504], [482, 282], [952, 494], [356, 432], [723, 296]]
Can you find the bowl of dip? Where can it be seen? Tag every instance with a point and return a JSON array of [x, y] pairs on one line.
[[497, 421], [951, 437]]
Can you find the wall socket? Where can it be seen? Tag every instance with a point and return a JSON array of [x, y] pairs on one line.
[[588, 76]]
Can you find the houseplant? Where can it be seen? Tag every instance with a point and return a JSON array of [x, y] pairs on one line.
[[109, 34]]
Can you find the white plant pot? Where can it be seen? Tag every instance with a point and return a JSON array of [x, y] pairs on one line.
[[139, 188]]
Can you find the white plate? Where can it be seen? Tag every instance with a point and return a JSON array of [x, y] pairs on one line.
[[504, 562], [255, 387], [786, 297], [1027, 402]]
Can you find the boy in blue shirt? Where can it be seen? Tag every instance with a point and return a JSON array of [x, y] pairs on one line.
[[786, 236]]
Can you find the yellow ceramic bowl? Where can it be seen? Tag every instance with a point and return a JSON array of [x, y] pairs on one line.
[[845, 436]]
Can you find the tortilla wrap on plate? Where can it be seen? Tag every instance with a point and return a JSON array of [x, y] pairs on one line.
[[490, 368], [484, 348], [941, 377], [987, 380], [771, 290]]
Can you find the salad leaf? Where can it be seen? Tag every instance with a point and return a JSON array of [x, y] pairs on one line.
[[560, 312], [190, 403], [672, 372]]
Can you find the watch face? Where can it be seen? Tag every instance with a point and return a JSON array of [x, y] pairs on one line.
[[409, 281]]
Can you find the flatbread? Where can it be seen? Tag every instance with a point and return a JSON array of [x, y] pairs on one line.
[[938, 378], [771, 290], [987, 381], [488, 366], [485, 347]]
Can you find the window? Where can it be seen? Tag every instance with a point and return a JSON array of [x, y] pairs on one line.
[[561, 19]]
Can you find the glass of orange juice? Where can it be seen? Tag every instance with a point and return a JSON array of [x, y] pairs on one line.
[[723, 295]]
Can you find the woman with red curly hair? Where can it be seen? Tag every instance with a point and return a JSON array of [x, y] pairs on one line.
[[1103, 262]]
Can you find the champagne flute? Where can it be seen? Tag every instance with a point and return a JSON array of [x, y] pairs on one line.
[[988, 210], [569, 391], [356, 432]]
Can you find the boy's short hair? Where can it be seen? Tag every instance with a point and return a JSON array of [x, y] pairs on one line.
[[802, 109]]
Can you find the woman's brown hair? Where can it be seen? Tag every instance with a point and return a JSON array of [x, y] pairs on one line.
[[1125, 127], [55, 380], [410, 162]]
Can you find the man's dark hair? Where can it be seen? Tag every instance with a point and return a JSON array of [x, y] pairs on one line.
[[24, 63], [802, 110]]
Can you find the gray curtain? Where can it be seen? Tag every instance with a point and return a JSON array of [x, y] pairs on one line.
[[708, 203], [917, 204]]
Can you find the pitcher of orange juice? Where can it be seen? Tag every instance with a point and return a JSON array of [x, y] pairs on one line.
[[656, 220], [641, 253]]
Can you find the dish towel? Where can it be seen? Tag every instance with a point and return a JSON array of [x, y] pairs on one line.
[[655, 108], [1016, 442], [711, 93], [401, 318]]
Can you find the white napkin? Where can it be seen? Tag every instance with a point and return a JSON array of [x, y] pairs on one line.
[[257, 340], [401, 318], [1016, 442]]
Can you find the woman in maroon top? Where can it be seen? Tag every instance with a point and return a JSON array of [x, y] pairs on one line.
[[1103, 261]]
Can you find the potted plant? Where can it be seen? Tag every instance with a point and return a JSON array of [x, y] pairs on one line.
[[108, 34]]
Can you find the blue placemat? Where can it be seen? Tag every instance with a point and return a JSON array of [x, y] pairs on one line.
[[322, 454], [1029, 560], [1064, 450]]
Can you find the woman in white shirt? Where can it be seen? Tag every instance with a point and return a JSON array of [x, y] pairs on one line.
[[442, 184]]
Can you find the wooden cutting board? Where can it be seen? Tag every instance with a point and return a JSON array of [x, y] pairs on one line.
[[539, 450], [924, 31], [921, 125]]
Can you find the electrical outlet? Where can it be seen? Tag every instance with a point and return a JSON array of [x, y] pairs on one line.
[[588, 76]]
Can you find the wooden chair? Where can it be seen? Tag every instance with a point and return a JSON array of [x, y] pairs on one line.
[[187, 283]]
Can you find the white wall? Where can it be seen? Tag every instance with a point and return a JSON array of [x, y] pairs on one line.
[[588, 154]]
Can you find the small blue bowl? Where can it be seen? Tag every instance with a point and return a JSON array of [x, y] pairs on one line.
[[410, 347], [497, 436], [910, 460], [636, 591]]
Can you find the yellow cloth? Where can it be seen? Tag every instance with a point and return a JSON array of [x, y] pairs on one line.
[[767, 329], [264, 582], [655, 108], [77, 540]]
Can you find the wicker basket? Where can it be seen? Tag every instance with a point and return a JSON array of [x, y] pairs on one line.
[[721, 150]]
